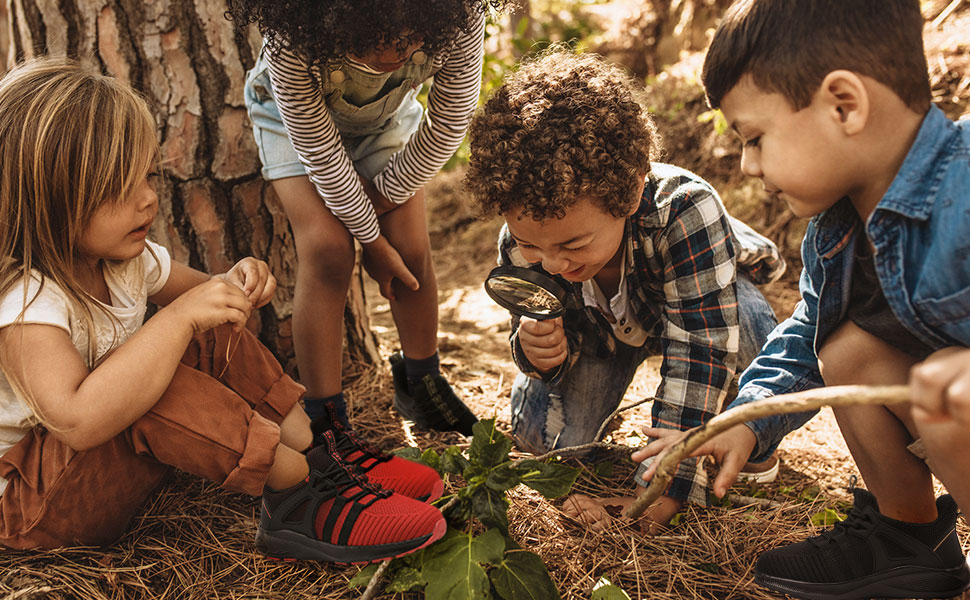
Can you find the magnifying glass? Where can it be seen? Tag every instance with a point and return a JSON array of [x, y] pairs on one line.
[[525, 292]]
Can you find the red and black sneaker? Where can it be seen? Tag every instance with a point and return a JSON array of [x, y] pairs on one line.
[[338, 516], [390, 472]]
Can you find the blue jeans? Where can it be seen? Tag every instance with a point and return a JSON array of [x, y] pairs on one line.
[[570, 414]]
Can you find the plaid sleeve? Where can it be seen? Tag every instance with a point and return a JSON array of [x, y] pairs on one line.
[[700, 332], [508, 255]]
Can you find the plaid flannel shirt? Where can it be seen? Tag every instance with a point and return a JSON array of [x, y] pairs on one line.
[[685, 249]]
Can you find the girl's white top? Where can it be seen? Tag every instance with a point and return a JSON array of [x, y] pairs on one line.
[[130, 283], [451, 103]]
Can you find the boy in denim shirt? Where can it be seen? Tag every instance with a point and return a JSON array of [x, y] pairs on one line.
[[652, 263], [831, 99]]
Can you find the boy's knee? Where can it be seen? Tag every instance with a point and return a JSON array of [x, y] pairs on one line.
[[839, 357], [851, 355]]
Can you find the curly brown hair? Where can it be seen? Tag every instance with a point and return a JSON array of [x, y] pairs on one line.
[[324, 30], [561, 127]]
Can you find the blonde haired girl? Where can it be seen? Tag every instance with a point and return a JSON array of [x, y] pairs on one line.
[[96, 406]]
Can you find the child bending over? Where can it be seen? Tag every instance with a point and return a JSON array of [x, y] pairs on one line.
[[831, 99], [348, 149], [652, 262], [97, 407]]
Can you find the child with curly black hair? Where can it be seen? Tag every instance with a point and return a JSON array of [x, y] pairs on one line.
[[348, 148], [653, 263]]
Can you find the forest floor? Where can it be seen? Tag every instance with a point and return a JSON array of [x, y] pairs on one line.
[[195, 541]]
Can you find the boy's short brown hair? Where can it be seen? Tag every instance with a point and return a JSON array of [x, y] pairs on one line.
[[561, 127], [789, 46]]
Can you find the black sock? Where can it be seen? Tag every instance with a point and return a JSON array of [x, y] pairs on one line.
[[323, 412], [929, 533], [417, 368]]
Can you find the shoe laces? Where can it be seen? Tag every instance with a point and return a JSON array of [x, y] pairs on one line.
[[340, 475], [858, 523], [348, 443]]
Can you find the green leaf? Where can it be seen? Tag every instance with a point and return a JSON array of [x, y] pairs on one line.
[[431, 458], [523, 576], [491, 508], [604, 590], [452, 566], [489, 447], [826, 518], [362, 578], [503, 477], [453, 461], [552, 480], [407, 579], [409, 452]]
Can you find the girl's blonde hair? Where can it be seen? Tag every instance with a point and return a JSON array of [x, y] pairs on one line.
[[71, 141]]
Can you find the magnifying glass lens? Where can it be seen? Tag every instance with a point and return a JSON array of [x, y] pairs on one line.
[[525, 294]]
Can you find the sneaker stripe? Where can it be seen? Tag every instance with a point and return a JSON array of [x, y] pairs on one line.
[[348, 524], [326, 532]]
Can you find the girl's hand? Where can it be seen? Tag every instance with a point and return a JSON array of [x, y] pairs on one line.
[[211, 304], [731, 449], [543, 342], [940, 387], [253, 277], [383, 263]]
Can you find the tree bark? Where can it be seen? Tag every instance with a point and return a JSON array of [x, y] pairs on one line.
[[187, 60]]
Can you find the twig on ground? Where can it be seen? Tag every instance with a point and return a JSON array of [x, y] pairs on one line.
[[609, 419], [846, 395]]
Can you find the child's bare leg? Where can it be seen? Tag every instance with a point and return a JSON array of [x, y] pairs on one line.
[[289, 468], [878, 436], [947, 446], [415, 311], [295, 430], [326, 255]]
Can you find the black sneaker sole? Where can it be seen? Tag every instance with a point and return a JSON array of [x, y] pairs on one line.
[[901, 582], [290, 545]]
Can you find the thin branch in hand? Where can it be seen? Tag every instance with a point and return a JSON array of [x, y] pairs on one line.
[[846, 395]]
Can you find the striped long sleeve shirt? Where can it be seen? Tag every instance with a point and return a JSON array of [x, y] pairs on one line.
[[451, 103]]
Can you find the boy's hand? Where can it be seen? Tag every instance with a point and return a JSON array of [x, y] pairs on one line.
[[940, 387], [731, 449], [543, 342], [211, 304], [253, 277], [382, 205], [383, 263]]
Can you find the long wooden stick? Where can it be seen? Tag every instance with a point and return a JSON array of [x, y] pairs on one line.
[[845, 395]]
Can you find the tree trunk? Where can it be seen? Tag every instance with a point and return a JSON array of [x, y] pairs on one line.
[[186, 59]]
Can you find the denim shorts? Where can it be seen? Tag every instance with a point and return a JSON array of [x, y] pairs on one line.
[[370, 153]]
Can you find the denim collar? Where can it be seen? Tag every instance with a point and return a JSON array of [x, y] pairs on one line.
[[913, 191]]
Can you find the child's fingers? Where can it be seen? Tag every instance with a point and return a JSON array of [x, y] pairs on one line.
[[731, 465]]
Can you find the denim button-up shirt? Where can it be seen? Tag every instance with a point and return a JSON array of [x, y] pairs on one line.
[[920, 230]]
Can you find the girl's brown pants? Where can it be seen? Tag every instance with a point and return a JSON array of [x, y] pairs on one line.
[[215, 420]]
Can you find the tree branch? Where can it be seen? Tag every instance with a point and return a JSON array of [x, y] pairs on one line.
[[847, 395]]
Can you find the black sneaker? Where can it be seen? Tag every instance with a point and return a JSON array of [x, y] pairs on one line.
[[869, 555], [338, 516], [434, 404]]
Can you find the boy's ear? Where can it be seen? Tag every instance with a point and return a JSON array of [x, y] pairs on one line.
[[843, 95]]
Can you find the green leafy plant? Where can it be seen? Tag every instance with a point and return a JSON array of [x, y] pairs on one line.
[[464, 564]]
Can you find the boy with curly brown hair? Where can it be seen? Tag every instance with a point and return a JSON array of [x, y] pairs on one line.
[[653, 263], [831, 99]]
